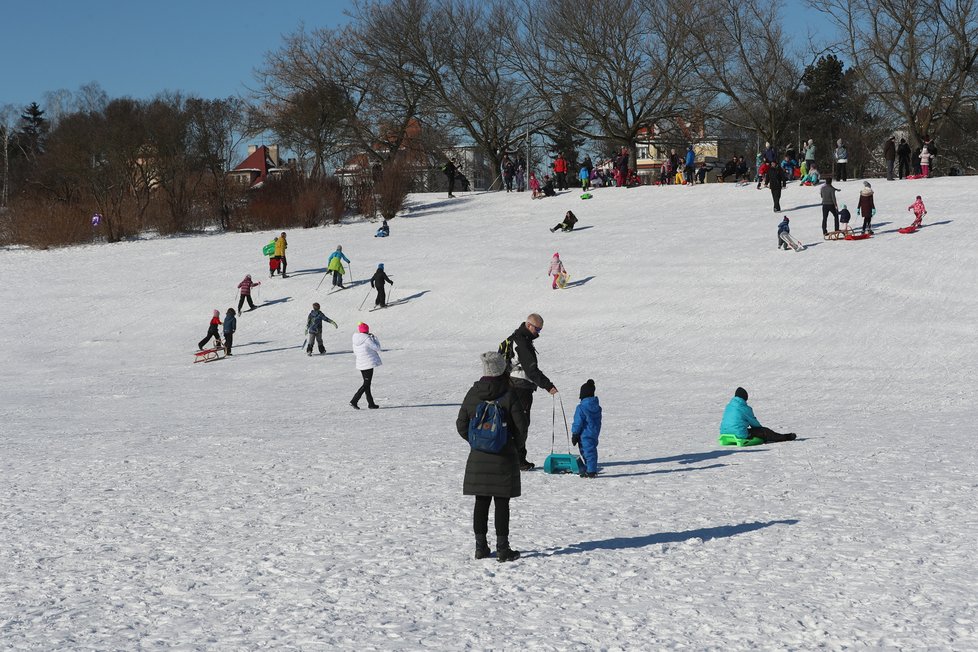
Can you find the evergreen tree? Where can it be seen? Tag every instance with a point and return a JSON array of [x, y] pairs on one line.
[[33, 130], [563, 133]]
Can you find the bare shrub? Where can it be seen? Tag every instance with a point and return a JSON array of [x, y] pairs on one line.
[[45, 223], [333, 199], [392, 188]]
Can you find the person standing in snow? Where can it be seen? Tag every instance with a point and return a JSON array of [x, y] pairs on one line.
[[774, 178], [366, 348], [212, 332], [525, 375], [925, 157], [783, 228], [245, 288], [535, 192], [829, 204], [739, 420], [841, 156], [314, 329], [520, 178], [493, 477], [230, 325], [335, 264], [903, 154], [587, 428], [450, 170], [556, 269], [889, 155], [810, 153], [844, 217], [280, 246], [560, 171], [377, 282], [918, 211], [690, 172], [866, 208], [509, 171], [585, 178]]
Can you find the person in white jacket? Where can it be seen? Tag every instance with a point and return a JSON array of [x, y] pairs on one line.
[[366, 347]]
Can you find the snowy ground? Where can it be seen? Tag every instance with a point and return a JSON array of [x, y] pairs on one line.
[[148, 502]]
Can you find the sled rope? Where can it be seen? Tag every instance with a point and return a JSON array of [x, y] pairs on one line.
[[553, 426]]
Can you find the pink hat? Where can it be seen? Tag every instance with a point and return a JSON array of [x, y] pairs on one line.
[[363, 328], [556, 255], [217, 313]]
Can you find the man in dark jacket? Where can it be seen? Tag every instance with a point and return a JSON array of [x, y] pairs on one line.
[[775, 181], [889, 155], [493, 477], [525, 375], [450, 170], [903, 153]]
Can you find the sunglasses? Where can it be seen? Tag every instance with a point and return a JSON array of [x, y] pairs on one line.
[[535, 327]]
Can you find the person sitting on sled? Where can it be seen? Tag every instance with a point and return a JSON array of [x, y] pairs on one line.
[[548, 186], [587, 428], [783, 228], [739, 420], [383, 231], [568, 224], [811, 178], [918, 211]]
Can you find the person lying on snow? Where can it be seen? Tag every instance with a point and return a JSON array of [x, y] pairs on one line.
[[739, 420]]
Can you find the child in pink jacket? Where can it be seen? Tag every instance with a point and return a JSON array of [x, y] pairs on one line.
[[556, 269], [918, 211]]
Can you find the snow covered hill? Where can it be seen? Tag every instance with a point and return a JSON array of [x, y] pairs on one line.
[[148, 502]]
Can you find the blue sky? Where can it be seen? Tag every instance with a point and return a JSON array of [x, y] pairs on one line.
[[199, 47]]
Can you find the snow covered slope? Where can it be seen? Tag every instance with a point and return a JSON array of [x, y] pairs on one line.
[[150, 502]]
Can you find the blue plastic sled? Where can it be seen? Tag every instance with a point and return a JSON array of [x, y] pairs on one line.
[[561, 463]]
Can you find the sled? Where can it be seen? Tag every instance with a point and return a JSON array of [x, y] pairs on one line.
[[586, 195], [858, 236], [273, 264], [208, 355], [915, 176], [792, 242], [562, 279], [561, 463], [734, 440], [836, 235], [908, 229]]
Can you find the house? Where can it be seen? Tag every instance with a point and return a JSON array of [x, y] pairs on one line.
[[261, 164]]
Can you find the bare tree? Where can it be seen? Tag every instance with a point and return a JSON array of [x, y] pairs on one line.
[[617, 56], [9, 115], [916, 56], [739, 52], [217, 128]]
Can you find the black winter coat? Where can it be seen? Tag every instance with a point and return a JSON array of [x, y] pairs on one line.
[[378, 279], [526, 373], [493, 474]]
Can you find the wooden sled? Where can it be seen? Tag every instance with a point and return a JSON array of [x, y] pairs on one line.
[[792, 242], [208, 355], [836, 235]]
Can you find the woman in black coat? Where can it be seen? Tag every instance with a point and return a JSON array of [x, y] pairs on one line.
[[492, 477]]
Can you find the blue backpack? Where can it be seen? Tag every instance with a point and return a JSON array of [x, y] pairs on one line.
[[488, 431]]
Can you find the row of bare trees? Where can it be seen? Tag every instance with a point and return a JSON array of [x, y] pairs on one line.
[[404, 79]]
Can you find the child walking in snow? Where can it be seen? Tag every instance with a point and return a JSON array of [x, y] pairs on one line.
[[783, 228], [556, 269], [245, 287], [844, 217], [534, 187], [314, 329], [918, 211], [867, 209], [212, 331], [230, 325], [585, 177], [587, 428]]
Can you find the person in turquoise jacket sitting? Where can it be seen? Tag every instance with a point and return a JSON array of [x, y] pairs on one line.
[[739, 420], [587, 428]]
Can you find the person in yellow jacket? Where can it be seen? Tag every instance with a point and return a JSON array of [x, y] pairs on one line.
[[280, 246], [335, 264]]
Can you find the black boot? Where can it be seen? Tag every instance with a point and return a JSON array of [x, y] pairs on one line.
[[481, 547], [504, 552]]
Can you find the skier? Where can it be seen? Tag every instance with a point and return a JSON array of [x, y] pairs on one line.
[[739, 420], [230, 325], [918, 211], [212, 331], [377, 282], [383, 231], [314, 329], [245, 288], [280, 246], [525, 375], [556, 269], [829, 204], [335, 264], [366, 347], [493, 478], [841, 155], [587, 428], [568, 224], [450, 170], [866, 208], [783, 228]]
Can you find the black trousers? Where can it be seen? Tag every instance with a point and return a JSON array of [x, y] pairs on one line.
[[768, 435], [776, 195], [840, 171], [826, 209], [337, 278], [211, 332], [524, 397], [904, 167], [451, 184], [381, 296], [282, 263], [480, 516], [368, 376], [251, 304], [867, 223], [228, 341]]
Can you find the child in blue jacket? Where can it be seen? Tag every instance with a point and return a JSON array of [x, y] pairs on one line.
[[783, 228], [739, 420], [587, 428]]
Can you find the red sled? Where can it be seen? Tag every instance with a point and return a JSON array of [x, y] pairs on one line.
[[208, 355], [273, 264], [908, 229], [858, 236], [915, 176]]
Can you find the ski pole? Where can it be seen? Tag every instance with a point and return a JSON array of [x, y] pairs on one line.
[[390, 295], [364, 301], [351, 272], [322, 279]]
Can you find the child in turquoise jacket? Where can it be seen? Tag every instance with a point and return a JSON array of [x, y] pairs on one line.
[[587, 429], [739, 420]]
